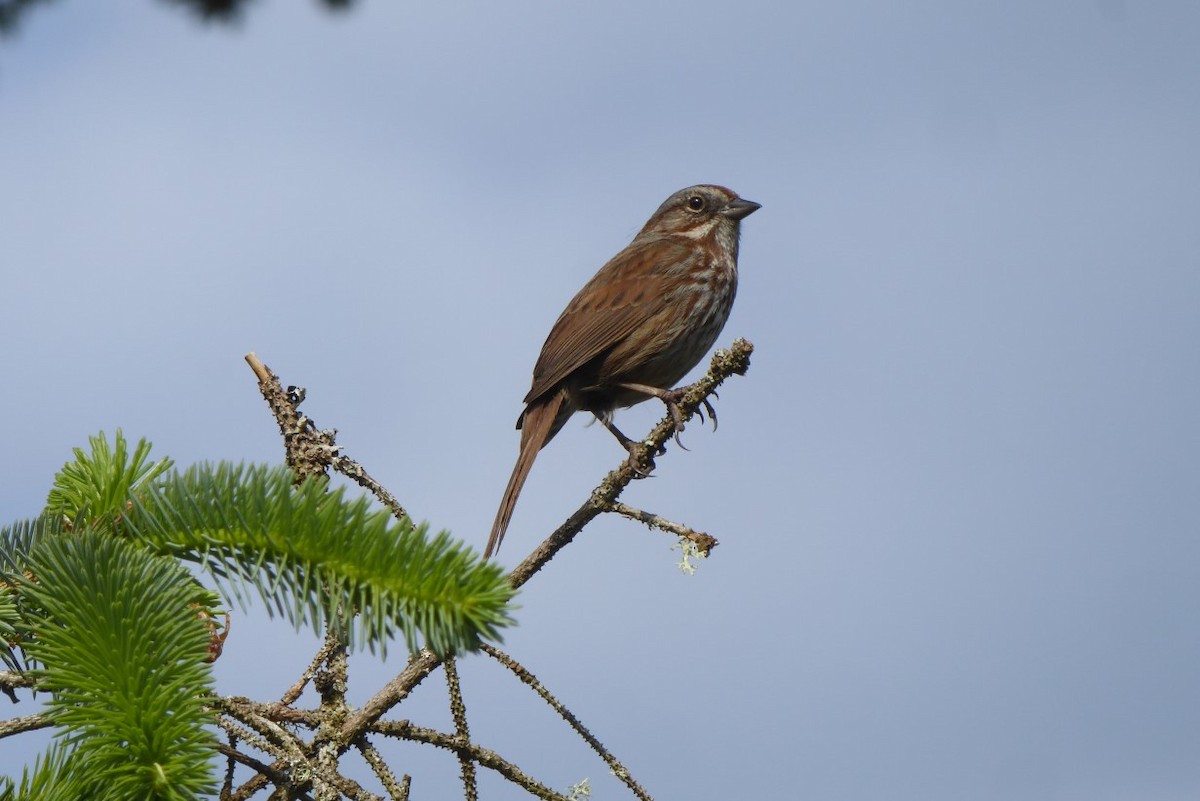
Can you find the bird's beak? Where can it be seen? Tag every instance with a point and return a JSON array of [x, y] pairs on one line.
[[737, 209]]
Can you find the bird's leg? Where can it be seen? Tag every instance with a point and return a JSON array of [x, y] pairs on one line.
[[640, 458], [671, 398]]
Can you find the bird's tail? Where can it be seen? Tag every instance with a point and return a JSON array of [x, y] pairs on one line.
[[541, 421]]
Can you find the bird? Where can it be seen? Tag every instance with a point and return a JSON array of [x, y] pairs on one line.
[[642, 322]]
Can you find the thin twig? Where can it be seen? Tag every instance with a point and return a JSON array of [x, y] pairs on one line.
[[704, 542], [618, 770], [230, 765], [296, 690], [271, 773], [458, 711], [242, 708], [309, 451], [405, 730], [397, 790], [358, 474], [267, 737], [292, 760], [280, 773]]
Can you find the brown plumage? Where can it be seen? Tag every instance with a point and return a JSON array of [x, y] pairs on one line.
[[643, 321]]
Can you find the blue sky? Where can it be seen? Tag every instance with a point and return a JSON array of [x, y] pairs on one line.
[[958, 494]]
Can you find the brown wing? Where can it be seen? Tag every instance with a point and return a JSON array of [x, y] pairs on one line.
[[630, 289]]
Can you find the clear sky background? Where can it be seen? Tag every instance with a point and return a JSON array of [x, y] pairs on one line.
[[958, 494]]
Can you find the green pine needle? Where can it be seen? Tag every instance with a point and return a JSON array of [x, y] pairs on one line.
[[100, 483], [125, 656], [319, 558], [314, 556]]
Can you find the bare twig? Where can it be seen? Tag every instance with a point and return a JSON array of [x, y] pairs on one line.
[[356, 473], [269, 772], [293, 759], [230, 765], [458, 711], [244, 709], [296, 690], [397, 790], [311, 452], [390, 694], [405, 730], [704, 542], [532, 681], [266, 736], [257, 724]]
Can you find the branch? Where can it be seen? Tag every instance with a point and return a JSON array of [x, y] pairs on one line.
[[330, 682], [405, 730], [703, 542], [389, 695], [296, 690], [264, 734], [532, 681], [724, 364], [244, 709], [270, 773], [27, 723], [307, 450], [398, 790], [12, 680], [311, 452], [459, 711], [280, 773]]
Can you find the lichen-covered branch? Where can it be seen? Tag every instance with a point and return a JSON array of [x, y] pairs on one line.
[[725, 363], [309, 451], [532, 681], [486, 757]]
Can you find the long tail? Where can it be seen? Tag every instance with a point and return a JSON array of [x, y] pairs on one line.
[[541, 421]]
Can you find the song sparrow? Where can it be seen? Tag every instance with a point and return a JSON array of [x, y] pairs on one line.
[[643, 321]]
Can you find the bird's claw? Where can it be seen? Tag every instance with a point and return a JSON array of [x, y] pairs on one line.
[[641, 460], [670, 399], [676, 413], [712, 413], [677, 419]]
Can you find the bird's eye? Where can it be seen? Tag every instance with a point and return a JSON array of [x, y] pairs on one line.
[[695, 203]]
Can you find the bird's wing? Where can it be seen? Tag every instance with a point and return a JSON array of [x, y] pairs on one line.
[[630, 289]]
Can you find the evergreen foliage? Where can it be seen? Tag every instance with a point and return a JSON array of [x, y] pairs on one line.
[[98, 606]]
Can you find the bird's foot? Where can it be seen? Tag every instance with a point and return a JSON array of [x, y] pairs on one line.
[[671, 398], [641, 458]]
